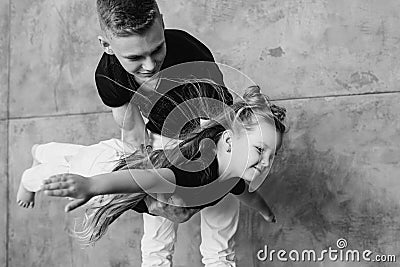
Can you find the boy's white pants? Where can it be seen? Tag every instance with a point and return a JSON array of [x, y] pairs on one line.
[[218, 226]]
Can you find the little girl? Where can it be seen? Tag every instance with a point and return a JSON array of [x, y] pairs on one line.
[[212, 161]]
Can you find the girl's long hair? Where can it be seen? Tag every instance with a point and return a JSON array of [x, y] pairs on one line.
[[245, 112]]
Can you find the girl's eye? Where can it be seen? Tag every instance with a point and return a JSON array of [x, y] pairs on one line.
[[260, 150]]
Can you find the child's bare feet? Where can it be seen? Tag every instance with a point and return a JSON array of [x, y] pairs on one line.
[[25, 198]]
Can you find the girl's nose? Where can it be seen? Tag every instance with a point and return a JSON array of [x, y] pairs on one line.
[[265, 160], [265, 163]]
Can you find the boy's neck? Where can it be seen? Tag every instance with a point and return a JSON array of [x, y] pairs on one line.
[[149, 85]]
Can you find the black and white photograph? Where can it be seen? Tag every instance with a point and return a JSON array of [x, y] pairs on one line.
[[215, 133]]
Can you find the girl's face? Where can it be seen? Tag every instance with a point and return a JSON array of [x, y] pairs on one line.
[[252, 151]]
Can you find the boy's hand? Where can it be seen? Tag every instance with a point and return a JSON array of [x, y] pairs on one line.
[[69, 185], [172, 208]]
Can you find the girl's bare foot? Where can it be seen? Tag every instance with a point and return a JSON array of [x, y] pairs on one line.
[[25, 198]]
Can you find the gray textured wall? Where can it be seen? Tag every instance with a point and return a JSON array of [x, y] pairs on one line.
[[334, 64]]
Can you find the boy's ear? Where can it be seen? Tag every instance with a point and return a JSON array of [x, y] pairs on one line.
[[162, 20], [105, 44]]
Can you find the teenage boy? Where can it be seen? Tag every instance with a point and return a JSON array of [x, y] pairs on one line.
[[136, 48]]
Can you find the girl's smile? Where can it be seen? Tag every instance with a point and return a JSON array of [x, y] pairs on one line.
[[252, 151]]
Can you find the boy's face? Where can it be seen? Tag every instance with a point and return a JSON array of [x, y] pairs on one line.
[[140, 55]]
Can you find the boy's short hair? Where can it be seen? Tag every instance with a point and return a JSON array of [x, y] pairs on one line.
[[122, 18]]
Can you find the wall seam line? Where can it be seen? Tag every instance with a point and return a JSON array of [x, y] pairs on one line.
[[106, 112], [8, 137], [334, 96], [58, 115]]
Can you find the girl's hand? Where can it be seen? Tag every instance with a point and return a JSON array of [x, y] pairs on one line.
[[69, 185]]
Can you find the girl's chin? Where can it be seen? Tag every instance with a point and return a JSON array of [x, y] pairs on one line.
[[251, 175], [249, 178]]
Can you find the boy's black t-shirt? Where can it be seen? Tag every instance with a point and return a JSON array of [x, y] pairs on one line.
[[111, 78]]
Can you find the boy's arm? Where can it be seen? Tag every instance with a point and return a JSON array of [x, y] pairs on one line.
[[255, 201], [130, 120]]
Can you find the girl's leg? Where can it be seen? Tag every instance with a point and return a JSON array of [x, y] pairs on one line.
[[218, 226], [55, 158], [55, 152], [98, 158], [32, 180], [158, 241], [48, 159], [25, 198]]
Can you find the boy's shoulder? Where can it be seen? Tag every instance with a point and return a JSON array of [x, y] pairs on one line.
[[183, 47], [108, 64], [177, 34]]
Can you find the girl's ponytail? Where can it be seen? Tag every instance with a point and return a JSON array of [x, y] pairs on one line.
[[255, 103], [99, 216], [105, 209]]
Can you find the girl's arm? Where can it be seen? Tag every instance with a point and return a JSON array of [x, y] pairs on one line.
[[134, 181], [119, 182], [255, 201]]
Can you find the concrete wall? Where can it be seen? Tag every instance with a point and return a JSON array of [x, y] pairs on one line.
[[334, 64]]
